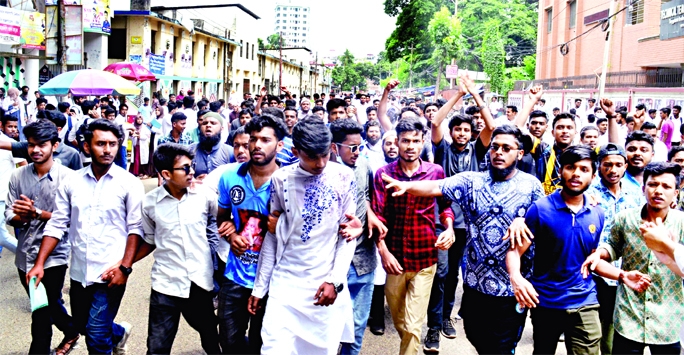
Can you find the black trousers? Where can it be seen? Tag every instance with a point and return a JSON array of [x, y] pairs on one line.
[[165, 312], [622, 345], [234, 320], [55, 313]]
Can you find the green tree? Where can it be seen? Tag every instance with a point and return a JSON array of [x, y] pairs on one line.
[[445, 33], [345, 73], [493, 57], [273, 41]]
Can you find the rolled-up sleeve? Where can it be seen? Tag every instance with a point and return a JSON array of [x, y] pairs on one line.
[[59, 222], [12, 195], [134, 199]]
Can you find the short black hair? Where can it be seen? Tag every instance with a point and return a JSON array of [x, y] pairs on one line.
[[512, 130], [578, 99], [42, 131], [677, 107], [471, 110], [109, 111], [513, 108], [178, 116], [87, 105], [55, 117], [258, 123], [576, 153], [457, 120], [311, 137], [170, 106], [126, 106], [411, 124], [340, 129], [188, 102], [239, 131], [290, 102], [5, 118], [166, 154], [666, 110], [652, 111], [629, 119], [317, 108], [273, 111], [41, 100], [640, 136], [640, 107], [290, 108], [601, 120], [648, 125], [214, 106], [539, 113], [371, 123], [660, 168], [564, 116], [63, 107], [673, 151], [245, 112], [335, 103], [102, 125], [371, 108], [588, 128]]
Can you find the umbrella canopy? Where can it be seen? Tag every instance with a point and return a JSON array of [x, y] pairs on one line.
[[89, 82], [131, 71]]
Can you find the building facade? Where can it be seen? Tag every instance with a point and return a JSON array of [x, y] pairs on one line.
[[293, 22]]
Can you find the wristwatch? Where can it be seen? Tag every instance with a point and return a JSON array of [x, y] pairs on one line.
[[338, 287], [39, 213], [125, 270]]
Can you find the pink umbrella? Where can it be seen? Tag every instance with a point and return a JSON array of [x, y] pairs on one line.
[[131, 71]]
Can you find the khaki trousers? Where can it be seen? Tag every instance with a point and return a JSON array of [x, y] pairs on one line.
[[408, 296]]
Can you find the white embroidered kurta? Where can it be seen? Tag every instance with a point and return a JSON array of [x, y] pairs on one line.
[[306, 252]]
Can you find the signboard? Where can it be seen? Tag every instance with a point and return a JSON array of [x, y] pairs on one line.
[[10, 25], [44, 75], [96, 17], [157, 64], [671, 19], [74, 50], [135, 58], [136, 40], [74, 18], [51, 32], [33, 30], [452, 71]]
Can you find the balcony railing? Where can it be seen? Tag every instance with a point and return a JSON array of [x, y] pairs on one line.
[[658, 78]]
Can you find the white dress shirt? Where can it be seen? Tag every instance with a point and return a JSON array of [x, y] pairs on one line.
[[99, 215], [6, 167], [178, 228]]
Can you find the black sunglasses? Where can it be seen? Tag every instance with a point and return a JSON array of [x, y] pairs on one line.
[[186, 168]]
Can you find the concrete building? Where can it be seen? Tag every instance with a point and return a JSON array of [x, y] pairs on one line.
[[293, 21]]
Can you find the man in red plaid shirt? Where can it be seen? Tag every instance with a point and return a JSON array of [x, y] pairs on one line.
[[409, 250]]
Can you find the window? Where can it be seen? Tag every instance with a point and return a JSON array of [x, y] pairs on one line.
[[252, 51], [277, 27], [303, 34], [303, 28], [284, 21], [277, 15], [304, 22], [247, 50], [278, 21], [549, 20], [573, 14], [304, 16], [635, 12], [306, 9], [117, 45], [240, 48], [277, 8]]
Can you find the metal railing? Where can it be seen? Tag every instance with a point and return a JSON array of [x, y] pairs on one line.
[[659, 78]]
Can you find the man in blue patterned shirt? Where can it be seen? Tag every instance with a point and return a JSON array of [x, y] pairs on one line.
[[613, 196], [490, 201]]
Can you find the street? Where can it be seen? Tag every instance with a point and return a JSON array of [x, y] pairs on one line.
[[15, 318]]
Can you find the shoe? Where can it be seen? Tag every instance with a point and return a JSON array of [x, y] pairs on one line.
[[67, 345], [561, 339], [121, 348], [377, 330], [448, 330], [431, 343]]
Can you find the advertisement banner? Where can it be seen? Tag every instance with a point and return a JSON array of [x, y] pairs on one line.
[[97, 17], [157, 64], [10, 25], [74, 18], [75, 50], [671, 19], [33, 30]]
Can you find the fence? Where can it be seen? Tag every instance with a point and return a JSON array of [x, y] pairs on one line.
[[659, 78]]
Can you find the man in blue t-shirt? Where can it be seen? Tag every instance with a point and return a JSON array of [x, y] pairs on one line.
[[567, 229], [244, 194]]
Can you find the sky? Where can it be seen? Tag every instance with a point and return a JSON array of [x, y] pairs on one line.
[[358, 25]]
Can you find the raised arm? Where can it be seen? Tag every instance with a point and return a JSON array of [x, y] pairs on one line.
[[437, 134], [533, 96], [263, 93], [613, 134], [486, 135], [382, 108]]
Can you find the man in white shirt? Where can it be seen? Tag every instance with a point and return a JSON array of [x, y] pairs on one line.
[[659, 148], [146, 110], [101, 209], [191, 122], [176, 221], [6, 169]]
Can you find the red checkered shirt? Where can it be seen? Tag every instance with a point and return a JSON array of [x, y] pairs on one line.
[[410, 220]]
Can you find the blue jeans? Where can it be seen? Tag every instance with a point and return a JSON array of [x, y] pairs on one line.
[[443, 293], [6, 239], [93, 309], [361, 292]]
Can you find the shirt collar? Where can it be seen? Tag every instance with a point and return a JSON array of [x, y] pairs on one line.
[[422, 169], [112, 172], [162, 193], [48, 175], [243, 169], [559, 204]]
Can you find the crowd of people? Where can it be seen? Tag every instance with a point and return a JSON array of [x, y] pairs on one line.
[[283, 225]]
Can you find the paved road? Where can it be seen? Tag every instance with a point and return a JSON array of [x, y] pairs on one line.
[[15, 318]]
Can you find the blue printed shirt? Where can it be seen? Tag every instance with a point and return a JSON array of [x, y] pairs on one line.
[[249, 208], [489, 207], [563, 241]]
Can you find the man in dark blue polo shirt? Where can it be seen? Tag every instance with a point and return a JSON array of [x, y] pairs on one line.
[[568, 229]]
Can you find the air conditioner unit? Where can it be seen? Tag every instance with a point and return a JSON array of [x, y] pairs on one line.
[[198, 23]]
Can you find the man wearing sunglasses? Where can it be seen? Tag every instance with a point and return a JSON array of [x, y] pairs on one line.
[[346, 148]]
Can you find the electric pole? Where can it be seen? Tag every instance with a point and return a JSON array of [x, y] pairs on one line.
[[606, 49], [280, 81]]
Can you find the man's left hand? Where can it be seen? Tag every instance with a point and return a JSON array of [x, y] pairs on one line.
[[446, 239], [351, 229], [326, 295]]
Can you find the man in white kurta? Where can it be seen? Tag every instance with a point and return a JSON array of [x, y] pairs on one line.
[[305, 253]]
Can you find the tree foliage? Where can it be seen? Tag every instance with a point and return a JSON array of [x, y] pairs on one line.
[[444, 31], [348, 73], [273, 41], [493, 57]]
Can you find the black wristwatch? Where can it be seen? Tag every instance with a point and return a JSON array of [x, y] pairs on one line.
[[125, 270], [338, 287]]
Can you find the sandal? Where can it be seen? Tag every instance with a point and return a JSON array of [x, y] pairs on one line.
[[66, 345]]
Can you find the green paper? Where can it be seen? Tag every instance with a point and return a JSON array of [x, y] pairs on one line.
[[38, 295]]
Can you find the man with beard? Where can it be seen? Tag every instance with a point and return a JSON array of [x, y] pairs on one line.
[[304, 108], [244, 194], [569, 228], [489, 201], [30, 202], [602, 124], [652, 319], [389, 146], [103, 246], [373, 147], [589, 136], [613, 197], [639, 147], [459, 156], [409, 251], [210, 152]]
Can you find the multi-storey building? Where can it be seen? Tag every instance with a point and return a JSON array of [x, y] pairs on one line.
[[292, 21]]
